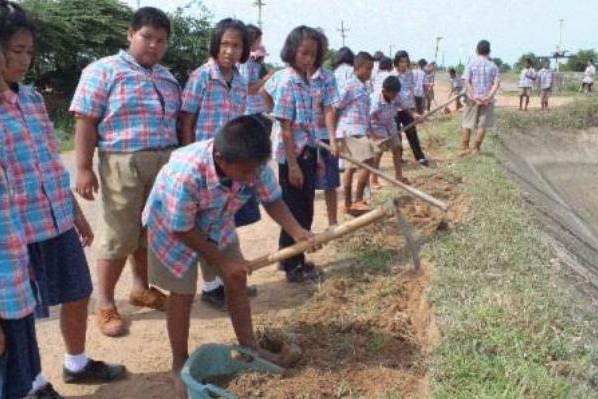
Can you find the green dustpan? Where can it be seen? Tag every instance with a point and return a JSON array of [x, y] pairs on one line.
[[217, 361]]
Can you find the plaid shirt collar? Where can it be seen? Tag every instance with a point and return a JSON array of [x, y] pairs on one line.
[[216, 74], [129, 59], [11, 97], [295, 77]]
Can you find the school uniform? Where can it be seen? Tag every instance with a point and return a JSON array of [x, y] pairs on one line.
[[482, 74], [405, 103]]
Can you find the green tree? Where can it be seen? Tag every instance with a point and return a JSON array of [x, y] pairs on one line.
[[579, 60], [520, 64], [188, 44]]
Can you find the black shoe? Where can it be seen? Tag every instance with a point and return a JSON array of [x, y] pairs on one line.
[[46, 392], [423, 162], [94, 372], [304, 272], [215, 298]]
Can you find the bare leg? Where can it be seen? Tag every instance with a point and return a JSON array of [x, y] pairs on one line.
[[348, 187], [73, 325], [331, 206], [178, 315], [139, 268], [362, 181], [465, 137], [109, 271], [397, 154], [479, 138]]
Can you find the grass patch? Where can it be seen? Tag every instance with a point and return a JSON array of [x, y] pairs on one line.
[[512, 326]]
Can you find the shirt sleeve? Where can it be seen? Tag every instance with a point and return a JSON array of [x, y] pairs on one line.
[[180, 202], [93, 90], [192, 95], [331, 95], [345, 96], [268, 189]]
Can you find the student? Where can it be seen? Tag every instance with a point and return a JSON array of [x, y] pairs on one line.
[[127, 105], [19, 354], [526, 83], [406, 103], [418, 86], [353, 110], [190, 218], [482, 80], [215, 94], [382, 127], [588, 77], [294, 138], [546, 78], [250, 71], [54, 227], [325, 94], [456, 87], [343, 65], [429, 80], [384, 71]]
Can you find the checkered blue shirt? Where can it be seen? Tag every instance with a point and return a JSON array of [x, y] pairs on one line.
[[325, 93], [189, 193], [429, 78], [251, 73], [292, 97], [208, 96], [382, 113], [418, 82], [545, 76], [16, 296], [405, 100], [526, 77], [137, 107], [40, 183], [481, 73], [353, 108]]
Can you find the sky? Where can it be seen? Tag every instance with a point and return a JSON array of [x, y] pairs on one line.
[[512, 27]]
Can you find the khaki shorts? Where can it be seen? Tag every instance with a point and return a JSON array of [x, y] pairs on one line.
[[393, 142], [525, 91], [126, 181], [161, 277], [477, 116], [545, 93], [359, 147]]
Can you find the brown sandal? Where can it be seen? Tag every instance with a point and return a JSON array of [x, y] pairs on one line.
[[152, 298]]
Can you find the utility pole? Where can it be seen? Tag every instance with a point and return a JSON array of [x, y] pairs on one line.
[[343, 31], [438, 39], [138, 4], [259, 4]]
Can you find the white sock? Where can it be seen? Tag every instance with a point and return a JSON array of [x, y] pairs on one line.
[[75, 363], [212, 285], [38, 383]]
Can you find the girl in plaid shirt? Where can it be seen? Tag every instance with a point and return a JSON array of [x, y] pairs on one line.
[[295, 139]]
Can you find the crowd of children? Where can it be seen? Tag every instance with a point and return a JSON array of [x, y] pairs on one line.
[[180, 168]]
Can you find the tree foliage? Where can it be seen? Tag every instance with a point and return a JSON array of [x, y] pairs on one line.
[[579, 60], [520, 64]]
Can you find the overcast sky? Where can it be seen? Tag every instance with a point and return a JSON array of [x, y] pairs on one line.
[[513, 27]]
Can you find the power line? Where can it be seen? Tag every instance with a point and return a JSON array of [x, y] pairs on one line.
[[259, 4], [343, 31], [438, 39]]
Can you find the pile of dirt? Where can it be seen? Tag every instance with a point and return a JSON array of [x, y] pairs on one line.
[[559, 173], [368, 328]]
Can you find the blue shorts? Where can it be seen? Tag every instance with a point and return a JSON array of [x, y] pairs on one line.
[[331, 179], [60, 271], [20, 363]]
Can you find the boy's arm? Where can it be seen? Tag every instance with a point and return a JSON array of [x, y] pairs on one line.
[[86, 137], [187, 123], [82, 225], [281, 214], [255, 87]]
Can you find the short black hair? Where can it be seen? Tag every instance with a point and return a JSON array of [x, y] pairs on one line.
[[221, 27], [483, 47], [13, 19], [253, 33], [452, 71], [362, 58], [422, 62], [294, 40], [150, 16], [391, 84], [385, 64], [244, 139], [344, 55], [400, 54], [378, 55]]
